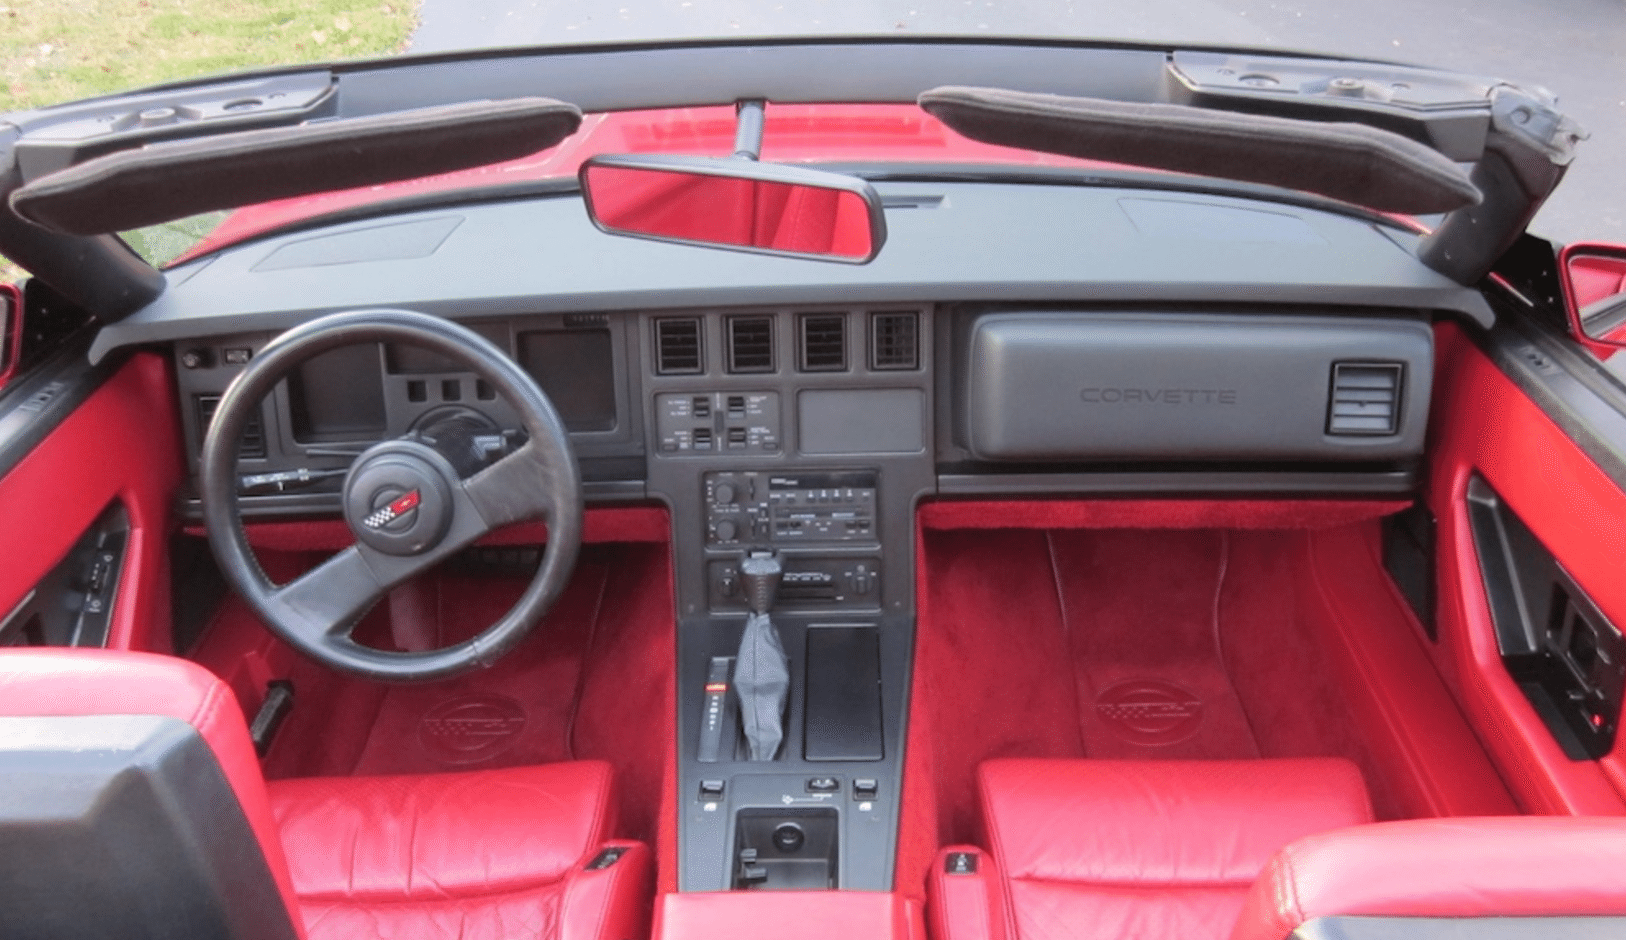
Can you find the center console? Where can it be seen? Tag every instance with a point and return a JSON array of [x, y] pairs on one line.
[[792, 491]]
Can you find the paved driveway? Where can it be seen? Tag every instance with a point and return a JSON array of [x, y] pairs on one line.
[[1577, 48]]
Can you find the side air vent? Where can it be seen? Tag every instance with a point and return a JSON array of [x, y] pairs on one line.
[[252, 445], [894, 341], [677, 346], [750, 344], [1365, 398], [824, 342]]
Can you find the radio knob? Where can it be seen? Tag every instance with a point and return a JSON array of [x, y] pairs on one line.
[[725, 494], [726, 531]]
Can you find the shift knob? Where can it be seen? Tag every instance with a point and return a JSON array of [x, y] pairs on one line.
[[761, 572]]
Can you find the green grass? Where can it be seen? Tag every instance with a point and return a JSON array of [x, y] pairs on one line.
[[61, 50]]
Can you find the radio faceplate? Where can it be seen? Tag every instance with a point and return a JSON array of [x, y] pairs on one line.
[[762, 508]]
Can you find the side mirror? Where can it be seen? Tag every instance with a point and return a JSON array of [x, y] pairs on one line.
[[11, 330], [736, 203], [1594, 278]]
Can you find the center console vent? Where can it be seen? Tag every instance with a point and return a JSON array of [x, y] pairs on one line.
[[824, 342], [1365, 398], [894, 342], [677, 346], [750, 344], [252, 445]]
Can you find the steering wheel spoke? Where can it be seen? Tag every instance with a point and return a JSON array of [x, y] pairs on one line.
[[324, 603], [518, 487]]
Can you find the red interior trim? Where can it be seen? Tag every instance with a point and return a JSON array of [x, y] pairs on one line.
[[1155, 513], [1484, 423], [56, 492]]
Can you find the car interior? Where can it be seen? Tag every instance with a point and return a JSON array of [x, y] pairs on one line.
[[1221, 538]]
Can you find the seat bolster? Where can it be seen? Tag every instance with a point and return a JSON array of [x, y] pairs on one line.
[[610, 903], [1516, 866], [1160, 823], [969, 905], [50, 682]]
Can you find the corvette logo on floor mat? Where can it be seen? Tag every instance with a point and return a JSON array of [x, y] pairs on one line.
[[471, 728], [1146, 711]]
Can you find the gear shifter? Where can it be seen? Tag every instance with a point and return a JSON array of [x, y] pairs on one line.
[[762, 671]]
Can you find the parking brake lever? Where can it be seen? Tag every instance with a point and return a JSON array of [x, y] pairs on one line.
[[761, 670]]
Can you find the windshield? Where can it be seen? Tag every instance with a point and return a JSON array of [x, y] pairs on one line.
[[55, 50]]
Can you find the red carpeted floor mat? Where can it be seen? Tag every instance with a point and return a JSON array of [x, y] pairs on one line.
[[593, 680], [1143, 618], [1114, 643]]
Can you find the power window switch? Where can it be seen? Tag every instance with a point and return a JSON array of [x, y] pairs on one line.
[[712, 789], [865, 788]]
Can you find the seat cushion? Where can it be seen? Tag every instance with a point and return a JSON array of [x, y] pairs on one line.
[[1516, 866], [484, 854], [1129, 849]]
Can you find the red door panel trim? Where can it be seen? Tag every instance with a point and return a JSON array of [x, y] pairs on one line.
[[1484, 422], [121, 443]]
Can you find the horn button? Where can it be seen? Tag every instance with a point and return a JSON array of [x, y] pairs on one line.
[[398, 498]]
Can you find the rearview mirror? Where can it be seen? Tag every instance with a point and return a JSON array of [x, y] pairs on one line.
[[1594, 278], [11, 330], [736, 203]]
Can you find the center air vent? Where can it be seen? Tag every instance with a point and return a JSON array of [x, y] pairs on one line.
[[252, 444], [677, 346], [894, 341], [1365, 398], [824, 342], [750, 344]]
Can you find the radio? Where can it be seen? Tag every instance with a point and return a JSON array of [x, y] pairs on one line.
[[777, 508]]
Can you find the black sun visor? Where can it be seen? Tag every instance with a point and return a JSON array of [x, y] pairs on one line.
[[1355, 163], [130, 189]]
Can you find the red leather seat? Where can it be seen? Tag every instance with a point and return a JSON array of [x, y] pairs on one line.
[[1516, 866], [1131, 849], [503, 854]]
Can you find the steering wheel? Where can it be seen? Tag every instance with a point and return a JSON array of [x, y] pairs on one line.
[[403, 501]]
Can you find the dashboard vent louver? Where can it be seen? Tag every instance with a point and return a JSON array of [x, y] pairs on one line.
[[677, 346], [824, 342], [894, 341], [252, 445], [1365, 398], [750, 344]]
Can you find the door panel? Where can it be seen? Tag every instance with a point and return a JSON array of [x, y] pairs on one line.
[[121, 443], [1484, 423]]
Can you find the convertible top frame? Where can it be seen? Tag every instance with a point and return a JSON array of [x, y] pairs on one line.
[[1464, 117]]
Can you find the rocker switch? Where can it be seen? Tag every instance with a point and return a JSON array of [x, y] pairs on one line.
[[712, 709]]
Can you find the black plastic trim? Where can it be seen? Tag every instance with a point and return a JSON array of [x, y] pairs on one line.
[[1564, 654]]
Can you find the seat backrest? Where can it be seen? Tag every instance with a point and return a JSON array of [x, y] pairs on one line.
[[105, 752], [1544, 870]]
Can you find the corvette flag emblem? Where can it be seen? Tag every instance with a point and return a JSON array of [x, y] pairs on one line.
[[397, 508]]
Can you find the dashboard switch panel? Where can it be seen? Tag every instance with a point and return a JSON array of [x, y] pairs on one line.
[[702, 423], [764, 508]]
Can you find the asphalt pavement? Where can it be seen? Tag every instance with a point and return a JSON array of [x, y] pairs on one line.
[[1575, 48]]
